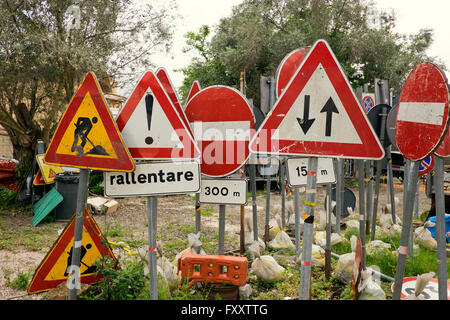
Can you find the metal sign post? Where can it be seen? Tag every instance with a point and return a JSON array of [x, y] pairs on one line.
[[253, 186], [283, 192], [369, 193], [390, 180], [83, 184], [310, 203], [328, 235], [383, 115], [198, 217], [152, 212], [221, 248], [410, 188], [362, 226], [440, 227], [266, 225], [339, 193], [297, 220]]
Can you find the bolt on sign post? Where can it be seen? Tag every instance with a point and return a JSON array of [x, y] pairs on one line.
[[223, 123], [87, 138], [422, 121], [155, 130], [316, 115]]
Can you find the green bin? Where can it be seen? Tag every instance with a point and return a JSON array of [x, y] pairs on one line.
[[66, 184]]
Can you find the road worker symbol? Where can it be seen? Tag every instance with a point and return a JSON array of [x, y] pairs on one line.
[[82, 128]]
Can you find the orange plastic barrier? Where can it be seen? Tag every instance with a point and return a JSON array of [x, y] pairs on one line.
[[213, 268]]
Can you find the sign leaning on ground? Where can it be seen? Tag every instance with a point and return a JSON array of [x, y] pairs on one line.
[[297, 171], [224, 191], [154, 179]]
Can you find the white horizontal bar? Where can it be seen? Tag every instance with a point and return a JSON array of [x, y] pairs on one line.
[[221, 130], [421, 112]]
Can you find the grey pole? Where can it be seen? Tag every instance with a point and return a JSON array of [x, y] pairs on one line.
[[377, 177], [416, 200], [297, 220], [253, 186], [411, 173], [362, 225], [391, 183], [440, 227], [152, 206], [328, 235], [198, 215], [74, 278], [369, 193], [305, 271], [266, 226], [283, 194], [339, 194], [221, 249]]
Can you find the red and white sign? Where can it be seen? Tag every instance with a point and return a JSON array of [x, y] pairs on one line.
[[223, 124], [150, 125], [194, 89], [426, 165], [287, 68], [430, 292], [318, 114], [422, 112], [163, 77], [443, 150]]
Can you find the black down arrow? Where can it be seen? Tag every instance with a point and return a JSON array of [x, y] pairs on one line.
[[329, 108], [305, 123]]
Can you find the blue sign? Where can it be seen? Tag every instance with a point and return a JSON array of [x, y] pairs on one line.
[[368, 103]]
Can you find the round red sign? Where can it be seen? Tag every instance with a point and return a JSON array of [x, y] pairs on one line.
[[288, 67], [422, 113], [223, 124]]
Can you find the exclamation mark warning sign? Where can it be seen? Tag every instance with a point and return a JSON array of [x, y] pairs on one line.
[[149, 109]]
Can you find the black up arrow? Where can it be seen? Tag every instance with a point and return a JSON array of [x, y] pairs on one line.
[[305, 123], [329, 108]]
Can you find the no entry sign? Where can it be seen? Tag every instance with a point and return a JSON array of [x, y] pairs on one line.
[[223, 123], [422, 112]]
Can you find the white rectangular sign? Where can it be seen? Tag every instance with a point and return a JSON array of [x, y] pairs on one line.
[[156, 178], [224, 191], [297, 169]]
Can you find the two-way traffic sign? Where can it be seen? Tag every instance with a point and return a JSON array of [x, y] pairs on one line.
[[318, 114]]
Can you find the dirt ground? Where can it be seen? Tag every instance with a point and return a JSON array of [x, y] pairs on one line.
[[23, 247]]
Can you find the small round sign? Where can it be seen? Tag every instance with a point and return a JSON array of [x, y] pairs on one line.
[[374, 116], [422, 113], [390, 125], [430, 292], [426, 165], [443, 150], [349, 201], [288, 67], [367, 103]]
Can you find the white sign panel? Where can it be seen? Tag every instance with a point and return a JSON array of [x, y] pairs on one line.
[[297, 169], [224, 191], [154, 179]]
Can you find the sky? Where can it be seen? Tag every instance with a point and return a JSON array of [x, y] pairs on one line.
[[412, 15]]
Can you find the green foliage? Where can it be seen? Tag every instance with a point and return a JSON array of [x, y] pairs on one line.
[[119, 283], [259, 34], [7, 197], [96, 183], [20, 281]]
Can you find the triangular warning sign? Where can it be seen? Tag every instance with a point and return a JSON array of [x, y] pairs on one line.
[[152, 127], [318, 114], [194, 89], [87, 136], [163, 78], [38, 179], [53, 269]]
